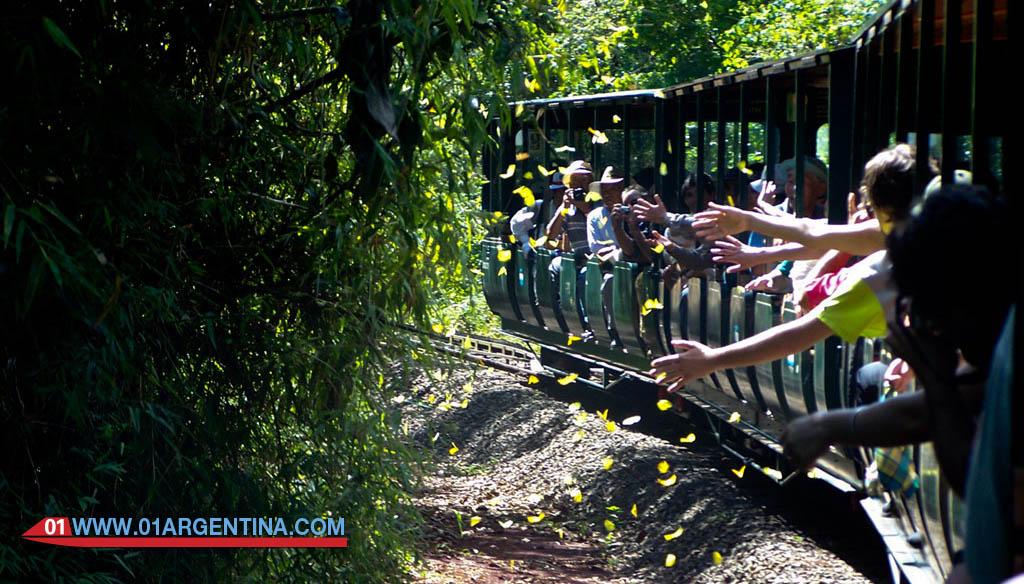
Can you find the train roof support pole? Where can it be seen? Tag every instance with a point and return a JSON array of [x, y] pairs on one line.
[[841, 173], [799, 142], [981, 90], [743, 182], [771, 146], [720, 152], [701, 141], [950, 51], [925, 65]]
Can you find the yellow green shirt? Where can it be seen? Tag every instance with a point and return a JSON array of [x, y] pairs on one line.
[[863, 302]]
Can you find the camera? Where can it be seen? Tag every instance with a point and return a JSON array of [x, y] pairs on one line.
[[624, 209], [578, 194]]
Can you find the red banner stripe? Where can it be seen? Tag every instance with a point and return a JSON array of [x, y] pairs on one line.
[[195, 542]]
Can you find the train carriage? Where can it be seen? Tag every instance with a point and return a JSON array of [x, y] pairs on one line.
[[892, 83]]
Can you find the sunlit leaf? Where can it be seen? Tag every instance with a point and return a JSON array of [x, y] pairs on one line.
[[565, 148], [519, 110], [660, 377], [631, 420], [578, 436], [474, 520], [593, 197], [575, 406], [729, 199], [576, 495], [673, 535], [464, 404], [716, 558], [533, 380], [743, 167], [667, 482], [467, 343], [670, 560], [431, 398], [511, 170], [543, 239], [502, 271], [535, 518], [739, 471], [528, 175], [453, 449], [543, 171], [812, 474], [511, 238], [609, 525], [504, 255], [568, 379], [603, 414], [663, 169], [611, 426], [520, 156], [691, 437], [664, 404], [663, 467], [564, 212], [573, 339], [668, 145], [633, 510], [616, 119], [607, 463], [772, 473], [438, 328], [735, 417], [506, 524]]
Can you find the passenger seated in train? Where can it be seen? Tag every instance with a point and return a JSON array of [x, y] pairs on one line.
[[688, 191], [636, 229], [607, 237], [858, 308], [961, 349], [567, 230], [815, 189]]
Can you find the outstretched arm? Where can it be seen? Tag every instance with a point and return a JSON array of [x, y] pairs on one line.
[[696, 360], [893, 422], [729, 250], [858, 238]]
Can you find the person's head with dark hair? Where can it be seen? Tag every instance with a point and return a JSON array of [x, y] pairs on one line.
[[645, 177], [889, 184], [926, 251], [689, 191]]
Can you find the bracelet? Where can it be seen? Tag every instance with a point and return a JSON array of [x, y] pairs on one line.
[[786, 267], [853, 422]]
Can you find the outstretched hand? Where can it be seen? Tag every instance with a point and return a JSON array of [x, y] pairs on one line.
[[659, 239], [719, 221], [804, 440], [773, 282], [692, 361], [655, 212], [733, 251]]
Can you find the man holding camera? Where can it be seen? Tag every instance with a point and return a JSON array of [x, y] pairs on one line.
[[567, 230]]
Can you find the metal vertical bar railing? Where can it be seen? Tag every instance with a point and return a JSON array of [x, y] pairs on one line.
[[743, 181], [596, 149], [627, 141]]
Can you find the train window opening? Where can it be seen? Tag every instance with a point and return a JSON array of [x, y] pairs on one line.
[[641, 160], [821, 143]]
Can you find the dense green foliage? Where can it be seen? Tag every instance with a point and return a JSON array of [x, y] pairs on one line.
[[212, 213]]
